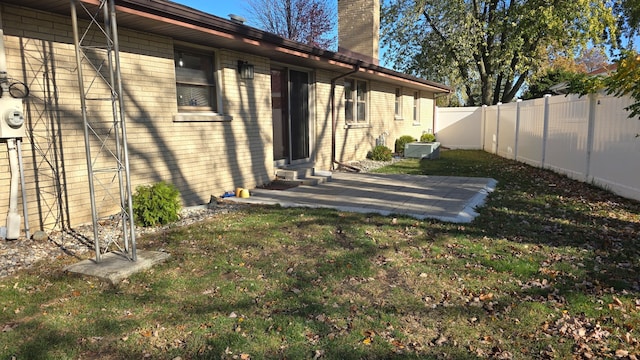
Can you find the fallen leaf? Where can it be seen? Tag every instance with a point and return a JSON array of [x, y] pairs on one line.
[[441, 340], [628, 338], [318, 354], [617, 301], [368, 337], [621, 353], [485, 297]]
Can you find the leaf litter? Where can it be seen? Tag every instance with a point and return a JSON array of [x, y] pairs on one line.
[[548, 270]]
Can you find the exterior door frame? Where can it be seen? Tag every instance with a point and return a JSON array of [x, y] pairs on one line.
[[286, 69]]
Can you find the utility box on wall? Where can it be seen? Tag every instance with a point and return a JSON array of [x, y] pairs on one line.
[[422, 150], [11, 118]]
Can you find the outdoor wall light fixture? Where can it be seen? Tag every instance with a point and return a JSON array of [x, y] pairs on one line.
[[245, 69]]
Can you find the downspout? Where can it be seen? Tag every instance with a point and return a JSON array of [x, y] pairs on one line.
[[13, 218], [334, 118]]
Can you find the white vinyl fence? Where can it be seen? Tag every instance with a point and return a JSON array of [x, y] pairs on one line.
[[590, 139]]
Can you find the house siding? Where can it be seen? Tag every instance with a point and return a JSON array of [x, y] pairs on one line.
[[354, 142], [202, 158]]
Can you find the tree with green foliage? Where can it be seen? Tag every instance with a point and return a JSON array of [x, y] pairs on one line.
[[489, 48], [543, 83], [626, 80], [564, 70], [628, 12]]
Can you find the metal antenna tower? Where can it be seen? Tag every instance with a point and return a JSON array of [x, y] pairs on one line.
[[97, 53]]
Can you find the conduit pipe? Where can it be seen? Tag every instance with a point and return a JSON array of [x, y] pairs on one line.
[[25, 212], [13, 218], [334, 118]]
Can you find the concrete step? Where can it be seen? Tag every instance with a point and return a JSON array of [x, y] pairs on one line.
[[294, 174], [305, 175], [314, 180]]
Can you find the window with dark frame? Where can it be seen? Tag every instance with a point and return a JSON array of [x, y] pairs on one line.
[[195, 80], [416, 102], [355, 101], [398, 103]]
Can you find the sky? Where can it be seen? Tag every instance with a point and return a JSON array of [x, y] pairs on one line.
[[221, 8]]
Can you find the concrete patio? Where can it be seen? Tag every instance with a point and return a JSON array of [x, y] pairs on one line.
[[444, 198]]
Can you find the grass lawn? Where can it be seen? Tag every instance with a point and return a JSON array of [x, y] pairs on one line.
[[549, 270]]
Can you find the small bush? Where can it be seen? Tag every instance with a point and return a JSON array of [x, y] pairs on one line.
[[427, 137], [156, 204], [380, 153], [402, 141]]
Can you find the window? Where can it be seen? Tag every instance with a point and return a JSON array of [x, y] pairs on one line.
[[355, 101], [195, 82], [416, 110], [398, 104]]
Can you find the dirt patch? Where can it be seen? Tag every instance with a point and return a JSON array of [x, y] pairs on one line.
[[279, 185]]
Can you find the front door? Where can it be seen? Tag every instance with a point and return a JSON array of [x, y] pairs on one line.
[[290, 112]]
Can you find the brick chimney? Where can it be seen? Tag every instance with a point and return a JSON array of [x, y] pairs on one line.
[[359, 29]]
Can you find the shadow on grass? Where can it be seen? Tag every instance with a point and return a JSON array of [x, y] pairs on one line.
[[290, 282]]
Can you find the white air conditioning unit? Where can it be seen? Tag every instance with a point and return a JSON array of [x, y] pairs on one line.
[[11, 118]]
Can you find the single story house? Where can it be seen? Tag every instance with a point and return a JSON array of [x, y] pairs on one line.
[[193, 117]]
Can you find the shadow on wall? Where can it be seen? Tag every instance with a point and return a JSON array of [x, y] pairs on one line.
[[56, 200]]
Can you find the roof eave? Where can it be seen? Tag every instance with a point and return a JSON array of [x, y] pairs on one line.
[[283, 45], [225, 33]]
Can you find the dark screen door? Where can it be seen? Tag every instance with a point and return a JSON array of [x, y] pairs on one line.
[[299, 114], [280, 114]]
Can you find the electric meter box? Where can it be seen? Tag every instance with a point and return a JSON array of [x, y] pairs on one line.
[[11, 118]]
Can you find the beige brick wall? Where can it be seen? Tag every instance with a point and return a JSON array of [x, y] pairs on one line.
[[201, 158], [323, 119], [353, 143], [359, 26]]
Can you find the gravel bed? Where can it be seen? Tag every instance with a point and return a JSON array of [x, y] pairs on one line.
[[367, 165], [78, 242]]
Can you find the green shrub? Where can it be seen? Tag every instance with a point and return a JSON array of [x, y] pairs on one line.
[[380, 153], [427, 137], [156, 204], [402, 141]]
